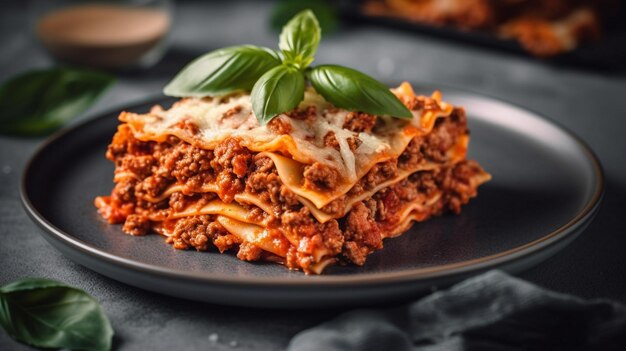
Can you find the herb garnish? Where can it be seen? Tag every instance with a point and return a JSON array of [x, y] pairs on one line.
[[277, 79], [38, 102], [50, 314]]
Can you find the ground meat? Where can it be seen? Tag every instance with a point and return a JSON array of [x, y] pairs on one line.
[[291, 258], [124, 142], [288, 199], [178, 201], [152, 185], [434, 146], [453, 184], [300, 222], [320, 177], [223, 240], [412, 155], [426, 183], [361, 227], [361, 234], [228, 186], [280, 125], [119, 145], [188, 126], [265, 182], [336, 207], [205, 198], [312, 237], [332, 236], [136, 225], [256, 215], [330, 140], [232, 111], [249, 252], [379, 173], [232, 156], [386, 205], [307, 114], [445, 136], [359, 122], [354, 142], [124, 191], [193, 232], [416, 103], [355, 253], [196, 167], [267, 185], [458, 182], [406, 190], [308, 245], [184, 161], [263, 164], [139, 165]]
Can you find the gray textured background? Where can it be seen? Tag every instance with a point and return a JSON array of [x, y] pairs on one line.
[[591, 104]]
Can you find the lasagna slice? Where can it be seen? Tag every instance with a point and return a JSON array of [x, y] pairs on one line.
[[313, 187]]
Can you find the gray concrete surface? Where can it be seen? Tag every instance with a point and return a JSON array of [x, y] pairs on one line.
[[591, 104]]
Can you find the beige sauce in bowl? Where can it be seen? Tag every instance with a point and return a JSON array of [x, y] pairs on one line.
[[106, 36]]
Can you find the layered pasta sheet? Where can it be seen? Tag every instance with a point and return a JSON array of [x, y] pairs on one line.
[[313, 187]]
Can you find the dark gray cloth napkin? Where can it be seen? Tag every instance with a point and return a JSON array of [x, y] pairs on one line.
[[493, 311]]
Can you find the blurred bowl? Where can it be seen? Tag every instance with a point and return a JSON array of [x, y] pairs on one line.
[[103, 34]]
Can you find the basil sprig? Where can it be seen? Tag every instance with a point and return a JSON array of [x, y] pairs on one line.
[[277, 79], [280, 89], [50, 314], [299, 39], [223, 71], [353, 90], [38, 102]]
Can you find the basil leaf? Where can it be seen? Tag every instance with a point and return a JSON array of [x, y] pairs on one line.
[[355, 91], [39, 102], [300, 38], [46, 313], [325, 12], [223, 71], [279, 90]]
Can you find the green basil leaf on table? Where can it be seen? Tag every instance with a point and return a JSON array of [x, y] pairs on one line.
[[223, 71], [300, 38], [38, 102], [352, 90], [47, 313], [324, 11], [279, 90]]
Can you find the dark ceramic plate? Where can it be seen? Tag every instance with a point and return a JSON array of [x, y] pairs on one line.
[[545, 190]]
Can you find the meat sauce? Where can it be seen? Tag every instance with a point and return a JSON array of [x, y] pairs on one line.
[[144, 170]]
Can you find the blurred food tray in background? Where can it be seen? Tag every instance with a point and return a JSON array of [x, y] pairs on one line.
[[579, 32]]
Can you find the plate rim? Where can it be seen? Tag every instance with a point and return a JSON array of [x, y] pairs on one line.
[[562, 233]]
